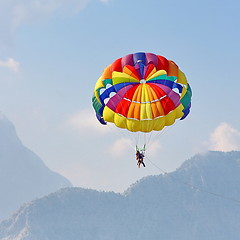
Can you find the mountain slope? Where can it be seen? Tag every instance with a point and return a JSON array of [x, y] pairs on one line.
[[167, 207], [23, 175]]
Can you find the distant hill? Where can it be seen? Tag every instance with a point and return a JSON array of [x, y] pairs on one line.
[[23, 175], [177, 206]]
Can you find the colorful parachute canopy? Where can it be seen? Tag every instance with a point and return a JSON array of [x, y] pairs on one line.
[[142, 92]]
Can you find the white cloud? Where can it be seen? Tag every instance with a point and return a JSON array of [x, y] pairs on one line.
[[120, 146], [11, 64], [85, 122], [225, 138], [14, 13], [104, 1], [153, 148]]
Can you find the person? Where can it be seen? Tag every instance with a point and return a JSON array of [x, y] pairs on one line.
[[139, 158]]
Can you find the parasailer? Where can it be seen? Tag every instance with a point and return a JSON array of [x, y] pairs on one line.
[[140, 154], [142, 92]]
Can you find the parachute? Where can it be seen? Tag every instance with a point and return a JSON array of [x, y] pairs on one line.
[[142, 92]]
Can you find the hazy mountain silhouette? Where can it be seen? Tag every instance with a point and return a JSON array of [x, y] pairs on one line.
[[23, 175], [200, 200]]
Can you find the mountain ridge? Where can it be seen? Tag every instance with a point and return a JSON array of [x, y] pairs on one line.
[[23, 175], [155, 207]]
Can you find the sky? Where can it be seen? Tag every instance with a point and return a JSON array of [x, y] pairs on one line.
[[52, 53]]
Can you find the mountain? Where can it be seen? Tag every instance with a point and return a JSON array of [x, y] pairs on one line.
[[23, 175], [200, 200]]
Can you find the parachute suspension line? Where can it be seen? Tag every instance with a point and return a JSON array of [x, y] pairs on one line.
[[153, 134], [163, 132], [194, 187]]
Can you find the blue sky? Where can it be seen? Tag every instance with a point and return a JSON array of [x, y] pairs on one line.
[[52, 52]]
